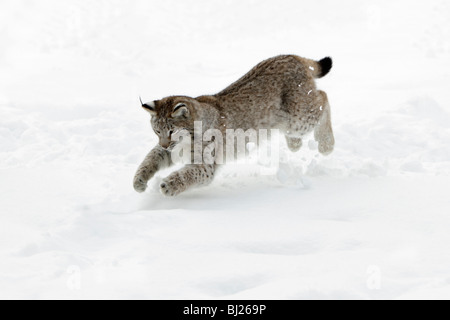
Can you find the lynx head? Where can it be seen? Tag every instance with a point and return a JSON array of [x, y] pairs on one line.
[[169, 116]]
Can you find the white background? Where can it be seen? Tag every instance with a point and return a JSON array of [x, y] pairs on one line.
[[370, 221]]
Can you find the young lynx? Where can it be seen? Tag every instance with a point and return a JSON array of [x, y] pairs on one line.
[[279, 93]]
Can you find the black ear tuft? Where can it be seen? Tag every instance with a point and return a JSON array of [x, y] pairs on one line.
[[149, 106]]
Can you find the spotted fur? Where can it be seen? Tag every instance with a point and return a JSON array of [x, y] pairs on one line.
[[278, 93]]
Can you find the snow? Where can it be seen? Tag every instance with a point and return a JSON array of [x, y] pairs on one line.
[[370, 221]]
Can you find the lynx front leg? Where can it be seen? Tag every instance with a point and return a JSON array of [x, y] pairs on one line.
[[157, 159], [190, 175]]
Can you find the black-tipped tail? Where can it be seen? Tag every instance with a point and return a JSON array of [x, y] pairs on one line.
[[325, 66]]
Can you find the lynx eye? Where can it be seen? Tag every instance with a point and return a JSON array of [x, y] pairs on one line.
[[157, 132]]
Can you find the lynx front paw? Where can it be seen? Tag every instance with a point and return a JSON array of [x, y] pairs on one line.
[[171, 186], [140, 185]]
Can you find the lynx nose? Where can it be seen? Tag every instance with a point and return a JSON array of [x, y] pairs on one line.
[[164, 142]]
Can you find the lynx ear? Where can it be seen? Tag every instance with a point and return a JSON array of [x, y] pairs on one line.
[[180, 110], [150, 107]]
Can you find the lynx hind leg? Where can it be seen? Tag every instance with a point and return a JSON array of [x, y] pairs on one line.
[[323, 132], [294, 143]]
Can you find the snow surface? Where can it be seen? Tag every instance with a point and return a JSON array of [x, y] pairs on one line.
[[371, 221]]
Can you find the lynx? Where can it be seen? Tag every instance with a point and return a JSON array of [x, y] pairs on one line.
[[279, 93]]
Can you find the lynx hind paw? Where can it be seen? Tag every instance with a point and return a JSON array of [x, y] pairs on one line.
[[326, 142], [326, 147], [294, 144], [171, 187]]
